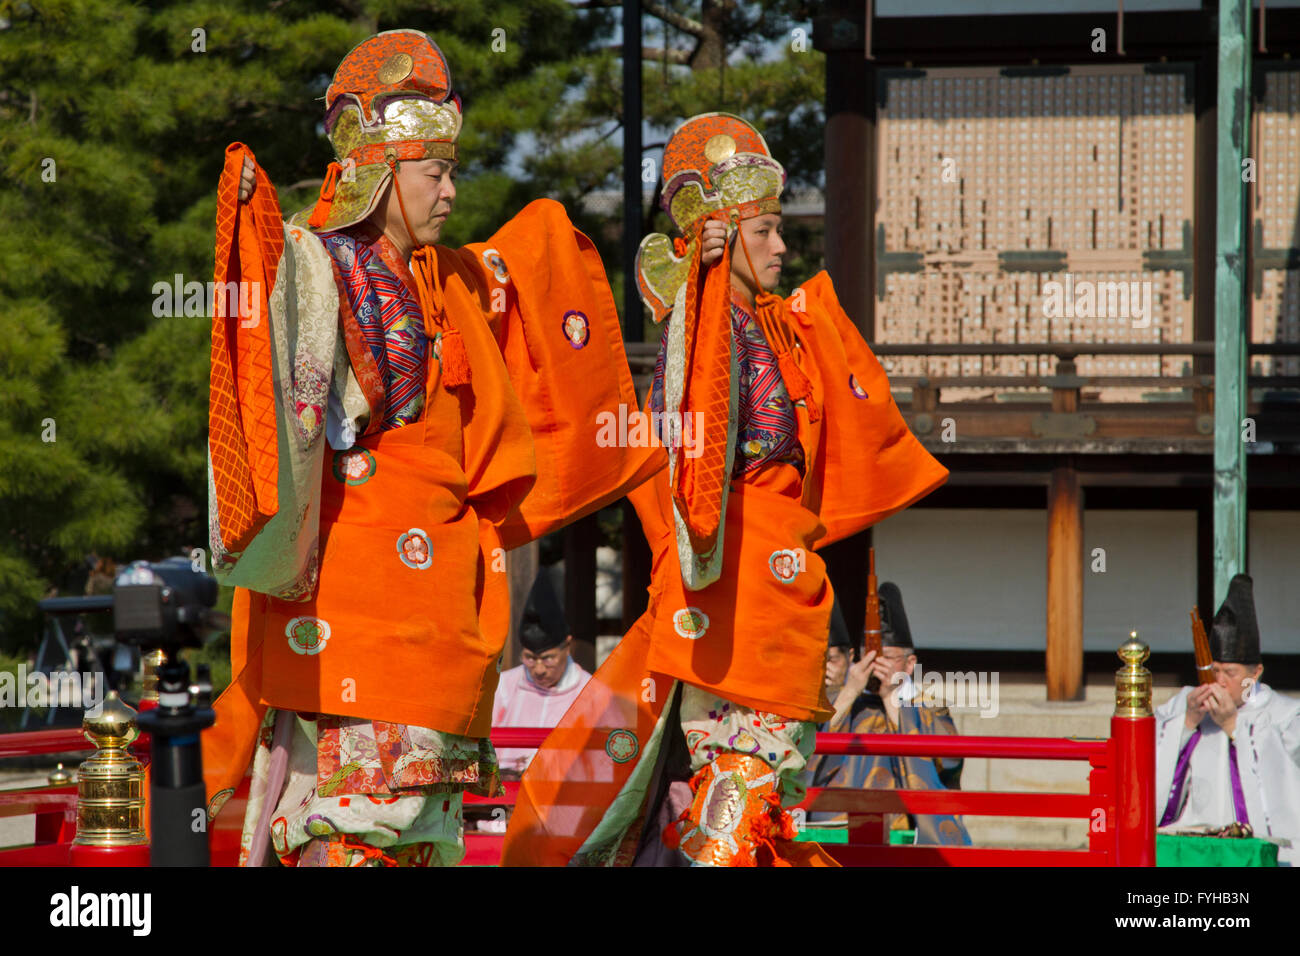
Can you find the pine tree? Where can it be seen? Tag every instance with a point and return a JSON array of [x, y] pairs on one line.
[[113, 123]]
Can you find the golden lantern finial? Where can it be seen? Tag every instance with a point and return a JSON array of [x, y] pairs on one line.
[[1133, 681], [110, 787]]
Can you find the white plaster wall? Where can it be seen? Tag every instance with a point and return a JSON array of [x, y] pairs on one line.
[[978, 579], [1275, 568]]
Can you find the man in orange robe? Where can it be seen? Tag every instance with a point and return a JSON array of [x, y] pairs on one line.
[[781, 437], [389, 416]]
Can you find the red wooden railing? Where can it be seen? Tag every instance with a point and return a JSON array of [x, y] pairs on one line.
[[1119, 805]]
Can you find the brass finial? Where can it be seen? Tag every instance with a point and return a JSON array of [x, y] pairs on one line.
[[149, 666], [1133, 681], [110, 789], [59, 777]]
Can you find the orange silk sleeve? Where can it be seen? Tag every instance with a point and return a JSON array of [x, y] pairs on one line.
[[559, 335], [869, 465], [242, 436]]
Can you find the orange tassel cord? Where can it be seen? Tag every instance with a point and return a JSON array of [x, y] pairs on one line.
[[326, 200]]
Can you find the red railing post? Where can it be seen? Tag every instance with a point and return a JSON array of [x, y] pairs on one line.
[[1133, 731]]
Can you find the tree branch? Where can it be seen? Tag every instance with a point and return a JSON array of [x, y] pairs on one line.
[[653, 55], [673, 18]]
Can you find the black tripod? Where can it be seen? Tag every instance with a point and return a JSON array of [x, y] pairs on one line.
[[178, 806]]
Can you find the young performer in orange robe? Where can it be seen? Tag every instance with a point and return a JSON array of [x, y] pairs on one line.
[[388, 417], [782, 437]]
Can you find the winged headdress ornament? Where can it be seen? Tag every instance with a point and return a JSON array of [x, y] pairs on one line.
[[715, 166], [390, 100]]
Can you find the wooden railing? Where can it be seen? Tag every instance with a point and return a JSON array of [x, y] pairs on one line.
[[1119, 805]]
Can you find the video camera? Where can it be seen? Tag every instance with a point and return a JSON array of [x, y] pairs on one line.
[[163, 604], [166, 605]]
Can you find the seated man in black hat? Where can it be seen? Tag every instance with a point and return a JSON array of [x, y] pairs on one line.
[[879, 697], [540, 690], [1229, 752]]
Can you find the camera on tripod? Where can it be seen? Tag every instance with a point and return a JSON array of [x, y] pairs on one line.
[[163, 604]]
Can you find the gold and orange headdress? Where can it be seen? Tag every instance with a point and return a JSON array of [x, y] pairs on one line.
[[715, 166], [390, 100]]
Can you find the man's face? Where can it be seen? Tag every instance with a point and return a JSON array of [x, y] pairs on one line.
[[1236, 679], [547, 668], [837, 666], [899, 660], [428, 192], [763, 239]]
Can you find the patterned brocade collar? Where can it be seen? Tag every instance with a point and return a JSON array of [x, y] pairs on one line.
[[374, 239]]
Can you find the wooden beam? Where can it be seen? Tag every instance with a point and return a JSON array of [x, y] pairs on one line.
[[1203, 227], [850, 140], [521, 567], [1230, 305], [846, 565], [1205, 556], [633, 310], [636, 567], [580, 540], [1065, 585]]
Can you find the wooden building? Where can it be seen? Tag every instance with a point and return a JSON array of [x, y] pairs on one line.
[[1024, 226], [1023, 217]]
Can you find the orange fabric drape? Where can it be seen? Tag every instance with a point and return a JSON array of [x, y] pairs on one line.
[[700, 483], [506, 456], [569, 394], [571, 782], [868, 464], [769, 639], [241, 409]]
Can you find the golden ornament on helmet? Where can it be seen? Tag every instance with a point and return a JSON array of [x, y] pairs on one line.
[[396, 68], [719, 148]]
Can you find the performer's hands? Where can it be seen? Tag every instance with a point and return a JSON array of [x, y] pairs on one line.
[[860, 672], [1219, 703], [881, 668], [891, 685], [855, 682], [246, 180], [713, 240], [1196, 706]]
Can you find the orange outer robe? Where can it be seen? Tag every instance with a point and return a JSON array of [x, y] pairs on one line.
[[491, 465], [768, 643]]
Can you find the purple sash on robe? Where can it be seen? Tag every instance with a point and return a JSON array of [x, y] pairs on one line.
[[1180, 780], [1238, 796]]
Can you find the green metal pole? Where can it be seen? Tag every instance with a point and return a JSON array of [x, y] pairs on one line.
[[1230, 302]]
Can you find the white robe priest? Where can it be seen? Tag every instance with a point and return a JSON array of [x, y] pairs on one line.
[[1197, 777]]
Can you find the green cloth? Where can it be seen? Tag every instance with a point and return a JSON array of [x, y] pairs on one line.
[[1171, 850], [1177, 850], [841, 835]]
